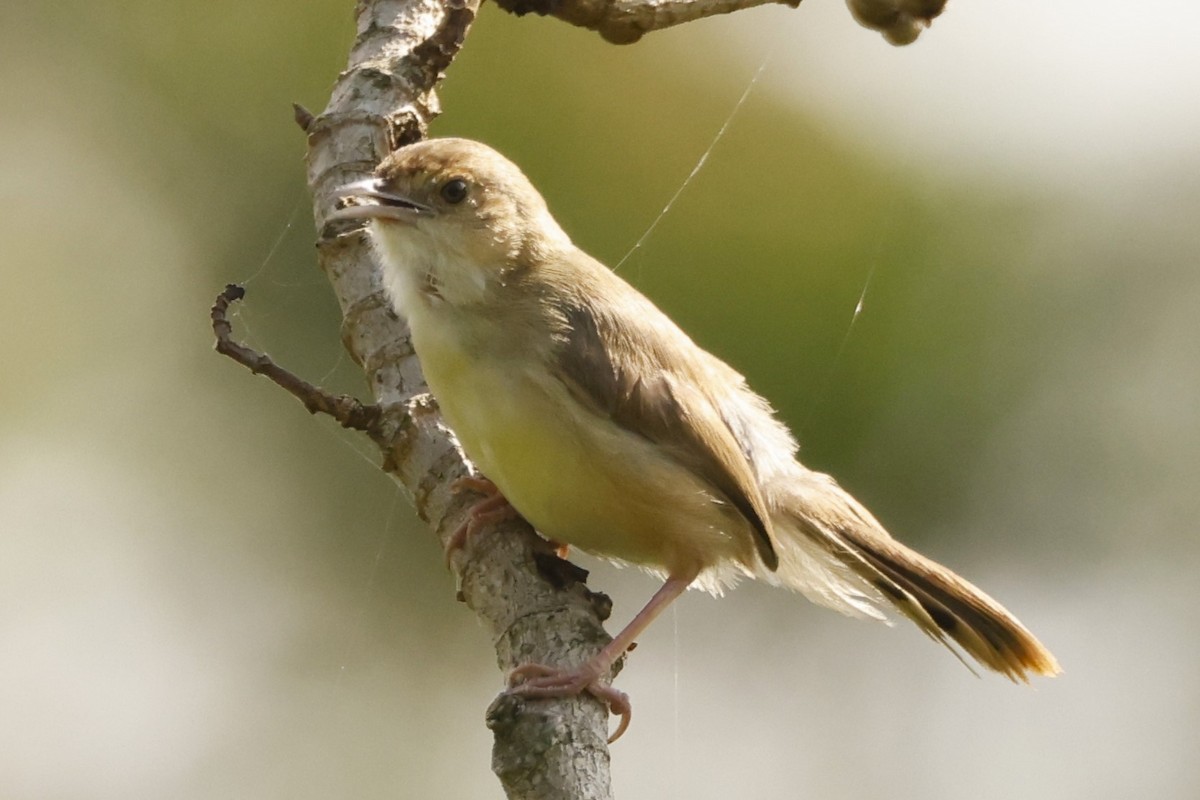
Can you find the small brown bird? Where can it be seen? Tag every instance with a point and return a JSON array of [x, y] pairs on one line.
[[607, 428]]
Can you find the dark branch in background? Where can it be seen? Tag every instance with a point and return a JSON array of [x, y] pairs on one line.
[[900, 21], [626, 21]]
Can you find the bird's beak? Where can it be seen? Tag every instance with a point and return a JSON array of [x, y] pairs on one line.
[[366, 199]]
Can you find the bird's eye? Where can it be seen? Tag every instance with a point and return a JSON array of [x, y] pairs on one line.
[[454, 191]]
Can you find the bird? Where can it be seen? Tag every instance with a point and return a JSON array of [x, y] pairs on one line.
[[597, 419]]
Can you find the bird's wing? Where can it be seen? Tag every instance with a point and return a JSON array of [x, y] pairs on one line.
[[633, 366]]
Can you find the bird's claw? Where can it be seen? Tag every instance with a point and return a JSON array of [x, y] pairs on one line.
[[493, 508], [542, 682]]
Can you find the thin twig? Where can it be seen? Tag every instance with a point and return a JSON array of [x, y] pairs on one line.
[[348, 411], [304, 118]]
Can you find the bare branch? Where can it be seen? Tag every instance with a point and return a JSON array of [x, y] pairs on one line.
[[537, 611], [626, 21], [345, 409]]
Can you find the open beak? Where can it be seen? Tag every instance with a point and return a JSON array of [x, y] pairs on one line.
[[366, 199]]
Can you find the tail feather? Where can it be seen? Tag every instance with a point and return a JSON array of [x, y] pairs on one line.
[[942, 604], [957, 609]]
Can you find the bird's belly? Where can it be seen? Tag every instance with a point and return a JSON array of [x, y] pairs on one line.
[[579, 478]]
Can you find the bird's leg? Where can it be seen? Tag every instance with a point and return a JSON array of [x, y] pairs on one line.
[[539, 680], [491, 509]]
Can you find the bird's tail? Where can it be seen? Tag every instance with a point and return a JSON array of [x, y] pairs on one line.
[[837, 554]]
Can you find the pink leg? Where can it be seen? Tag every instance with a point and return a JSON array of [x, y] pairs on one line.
[[491, 509], [539, 680]]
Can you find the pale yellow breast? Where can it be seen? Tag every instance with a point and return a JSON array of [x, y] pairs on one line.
[[576, 477]]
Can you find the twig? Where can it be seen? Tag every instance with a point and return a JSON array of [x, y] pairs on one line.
[[304, 118], [348, 411]]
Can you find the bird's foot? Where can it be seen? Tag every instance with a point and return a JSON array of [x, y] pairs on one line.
[[493, 508], [541, 681]]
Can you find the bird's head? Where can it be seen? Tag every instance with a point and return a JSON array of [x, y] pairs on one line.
[[454, 215]]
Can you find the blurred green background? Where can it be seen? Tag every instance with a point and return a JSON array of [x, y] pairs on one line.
[[206, 593]]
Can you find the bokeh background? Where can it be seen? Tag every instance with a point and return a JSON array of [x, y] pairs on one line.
[[206, 593]]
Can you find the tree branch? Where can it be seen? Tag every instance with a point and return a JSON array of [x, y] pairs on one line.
[[537, 608], [626, 21]]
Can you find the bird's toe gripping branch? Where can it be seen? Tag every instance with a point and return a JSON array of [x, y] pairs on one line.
[[493, 509], [541, 681]]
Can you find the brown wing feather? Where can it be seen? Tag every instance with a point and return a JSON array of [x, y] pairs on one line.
[[616, 365]]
